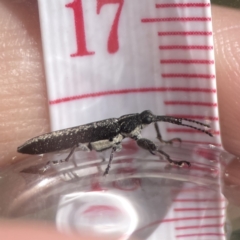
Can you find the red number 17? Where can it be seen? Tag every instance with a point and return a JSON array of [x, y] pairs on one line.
[[113, 44]]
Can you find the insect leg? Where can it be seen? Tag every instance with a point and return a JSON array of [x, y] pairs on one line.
[[172, 162], [60, 161], [147, 144], [110, 161], [159, 136], [151, 147], [67, 158]]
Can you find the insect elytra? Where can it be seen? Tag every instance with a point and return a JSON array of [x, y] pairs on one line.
[[108, 133]]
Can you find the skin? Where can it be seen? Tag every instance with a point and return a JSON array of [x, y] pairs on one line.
[[23, 96], [26, 231]]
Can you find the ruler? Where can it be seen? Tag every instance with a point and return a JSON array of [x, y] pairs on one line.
[[107, 58]]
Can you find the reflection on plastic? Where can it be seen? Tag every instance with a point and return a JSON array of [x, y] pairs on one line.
[[98, 213]]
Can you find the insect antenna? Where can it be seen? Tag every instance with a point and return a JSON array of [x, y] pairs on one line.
[[193, 121], [179, 121], [199, 129]]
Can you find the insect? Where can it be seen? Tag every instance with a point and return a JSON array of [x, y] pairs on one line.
[[107, 134]]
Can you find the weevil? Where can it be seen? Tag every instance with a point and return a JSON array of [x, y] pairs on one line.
[[107, 134]]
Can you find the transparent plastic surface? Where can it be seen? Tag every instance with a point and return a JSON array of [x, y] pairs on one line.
[[141, 195]]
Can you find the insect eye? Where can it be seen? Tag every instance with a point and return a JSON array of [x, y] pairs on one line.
[[147, 120]]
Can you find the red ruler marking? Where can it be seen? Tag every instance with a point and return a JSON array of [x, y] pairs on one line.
[[200, 226], [192, 190], [197, 209], [195, 76], [185, 130], [173, 76], [176, 19], [186, 33], [200, 235], [131, 90], [207, 154], [186, 75], [188, 103], [199, 200], [180, 219], [202, 142], [177, 5], [199, 117], [185, 47], [186, 61], [203, 169]]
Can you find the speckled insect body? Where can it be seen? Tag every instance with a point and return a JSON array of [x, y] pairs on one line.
[[106, 134]]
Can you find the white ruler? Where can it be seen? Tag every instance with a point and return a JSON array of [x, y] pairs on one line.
[[107, 58]]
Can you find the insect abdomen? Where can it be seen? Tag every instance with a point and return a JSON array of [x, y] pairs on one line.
[[70, 137], [47, 143]]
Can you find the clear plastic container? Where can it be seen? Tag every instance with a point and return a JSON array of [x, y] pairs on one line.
[[142, 196]]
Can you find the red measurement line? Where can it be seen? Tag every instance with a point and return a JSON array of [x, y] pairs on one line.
[[197, 116], [131, 90], [201, 226], [187, 33], [186, 61], [183, 19], [200, 234], [205, 143], [180, 219], [205, 90], [173, 5], [207, 154], [196, 209], [185, 130], [185, 47], [183, 75], [198, 200], [204, 104], [203, 169], [195, 189]]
